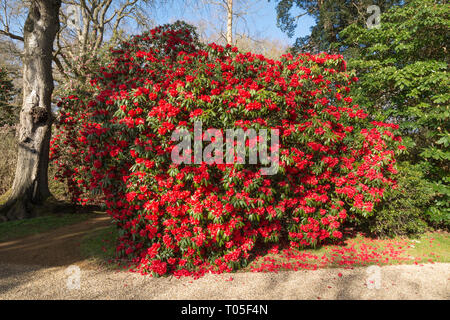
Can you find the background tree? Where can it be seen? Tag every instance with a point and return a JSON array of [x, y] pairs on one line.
[[88, 29], [331, 17], [229, 8], [86, 25], [30, 185], [7, 93], [223, 21], [270, 48], [10, 59], [403, 70]]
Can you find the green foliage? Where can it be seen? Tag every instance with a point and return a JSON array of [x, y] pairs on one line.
[[7, 91], [100, 244], [175, 215], [403, 70], [402, 210], [8, 147], [331, 17]]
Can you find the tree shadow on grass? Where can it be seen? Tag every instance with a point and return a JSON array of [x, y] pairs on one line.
[[58, 247]]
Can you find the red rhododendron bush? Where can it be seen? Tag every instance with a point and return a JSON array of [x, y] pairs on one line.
[[179, 217]]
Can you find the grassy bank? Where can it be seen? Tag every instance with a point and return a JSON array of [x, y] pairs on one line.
[[11, 230], [430, 247], [99, 245]]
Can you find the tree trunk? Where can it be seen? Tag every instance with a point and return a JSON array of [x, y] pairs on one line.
[[30, 185], [230, 22]]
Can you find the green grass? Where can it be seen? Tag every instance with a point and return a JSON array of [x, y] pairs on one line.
[[361, 251], [99, 245], [11, 230], [432, 245]]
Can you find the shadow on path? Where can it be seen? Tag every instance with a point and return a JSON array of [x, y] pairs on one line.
[[59, 247]]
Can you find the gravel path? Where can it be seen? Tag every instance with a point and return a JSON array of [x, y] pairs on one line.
[[429, 281], [35, 267], [58, 247]]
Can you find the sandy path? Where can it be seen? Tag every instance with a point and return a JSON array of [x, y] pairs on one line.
[[429, 281], [35, 267], [59, 247]]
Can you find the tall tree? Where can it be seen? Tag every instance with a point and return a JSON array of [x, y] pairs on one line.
[[229, 6], [87, 24], [85, 27], [403, 69], [30, 185], [331, 17], [224, 18]]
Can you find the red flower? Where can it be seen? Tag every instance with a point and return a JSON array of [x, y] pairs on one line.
[[196, 113], [208, 216]]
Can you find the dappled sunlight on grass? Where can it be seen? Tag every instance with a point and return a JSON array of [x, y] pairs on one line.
[[99, 246], [20, 228], [357, 251], [97, 243]]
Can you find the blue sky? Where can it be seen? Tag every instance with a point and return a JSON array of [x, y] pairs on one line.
[[261, 21]]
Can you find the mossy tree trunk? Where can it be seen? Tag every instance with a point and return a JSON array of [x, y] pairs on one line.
[[30, 187]]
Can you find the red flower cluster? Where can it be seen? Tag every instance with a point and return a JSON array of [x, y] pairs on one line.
[[175, 218]]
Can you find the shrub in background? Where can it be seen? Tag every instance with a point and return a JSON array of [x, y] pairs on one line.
[[8, 155], [402, 210], [403, 68], [174, 218]]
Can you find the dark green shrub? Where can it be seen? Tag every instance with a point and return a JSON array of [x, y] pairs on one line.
[[403, 209]]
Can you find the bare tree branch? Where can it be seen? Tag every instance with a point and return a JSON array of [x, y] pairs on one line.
[[10, 35]]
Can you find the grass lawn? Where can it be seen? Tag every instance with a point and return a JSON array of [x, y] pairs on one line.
[[99, 246], [359, 251], [356, 251]]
